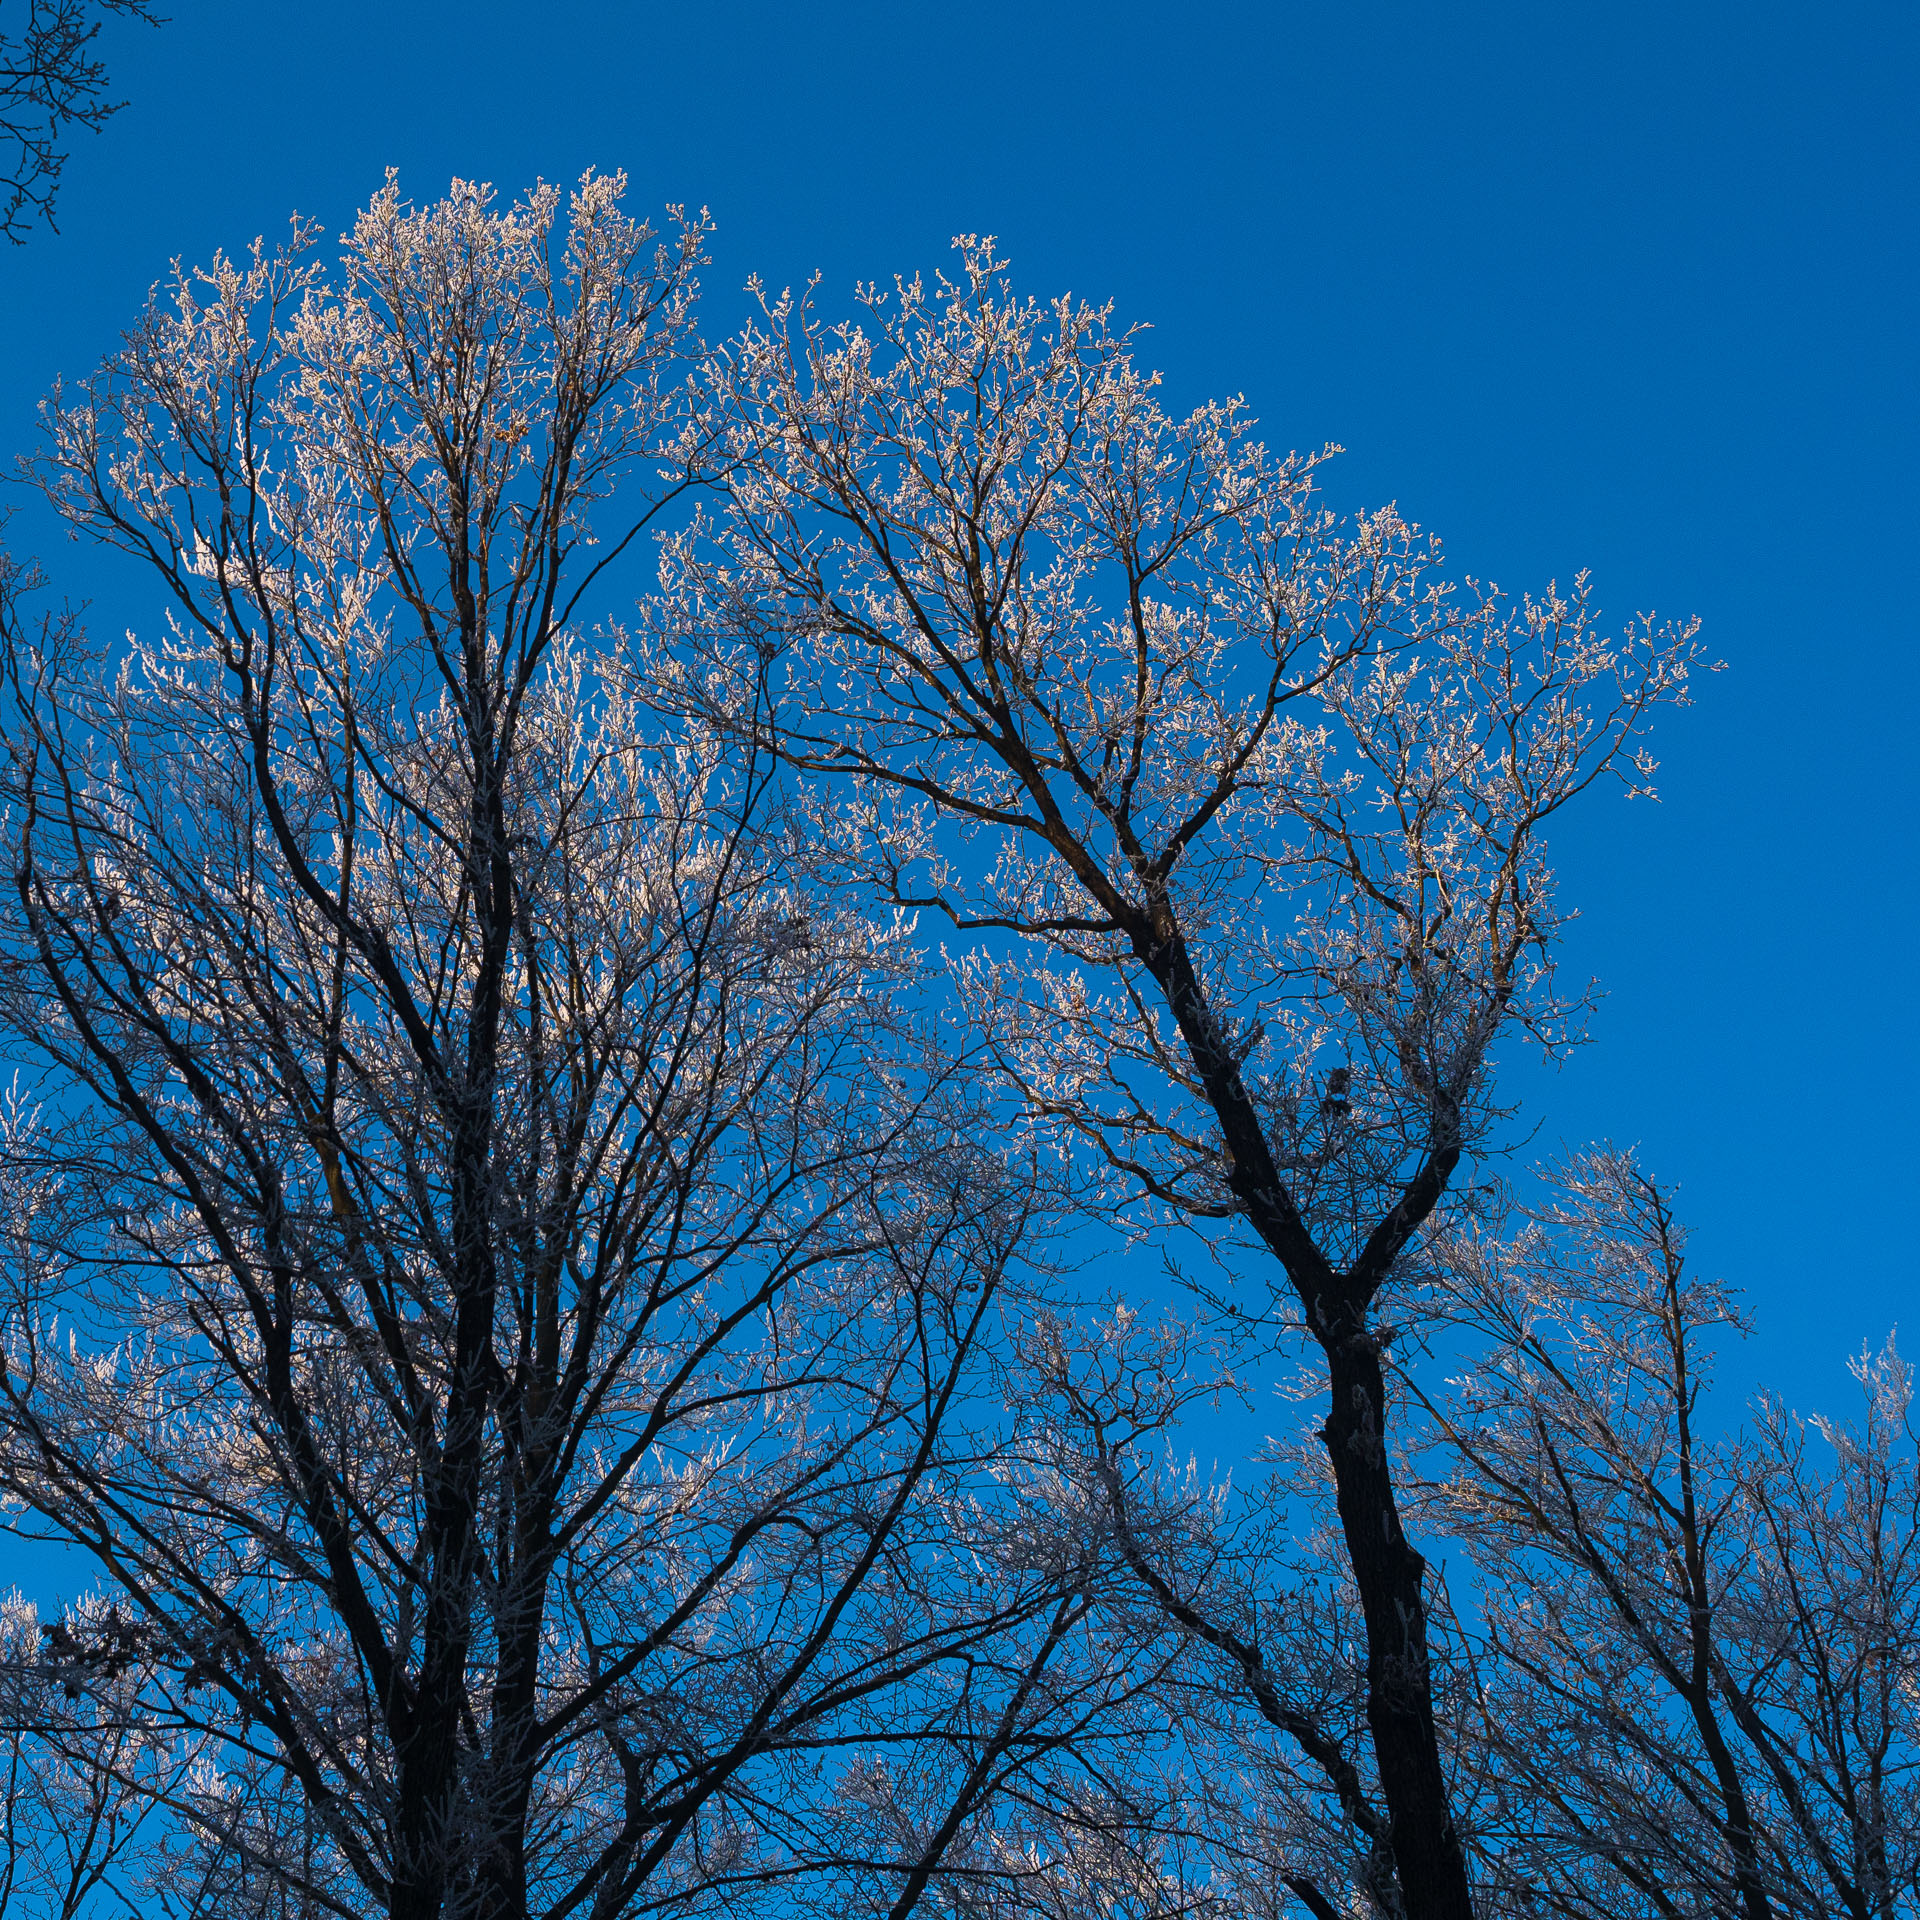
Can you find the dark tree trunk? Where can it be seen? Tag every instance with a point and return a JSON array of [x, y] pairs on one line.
[[1387, 1571], [1389, 1574]]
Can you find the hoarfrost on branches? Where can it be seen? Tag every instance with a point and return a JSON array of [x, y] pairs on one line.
[[1240, 806], [497, 1279]]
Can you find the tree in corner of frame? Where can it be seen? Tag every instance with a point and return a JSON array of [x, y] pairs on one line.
[[52, 82]]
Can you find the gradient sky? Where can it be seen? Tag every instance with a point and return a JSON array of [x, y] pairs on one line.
[[1627, 287]]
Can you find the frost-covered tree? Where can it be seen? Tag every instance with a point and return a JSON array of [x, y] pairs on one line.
[[1700, 1678], [1238, 810], [493, 1277]]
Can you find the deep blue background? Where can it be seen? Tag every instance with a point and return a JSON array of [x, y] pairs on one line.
[[1622, 286]]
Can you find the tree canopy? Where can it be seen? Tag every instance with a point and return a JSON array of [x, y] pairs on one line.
[[593, 1002]]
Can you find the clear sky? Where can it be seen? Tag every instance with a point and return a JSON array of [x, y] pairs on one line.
[[1623, 286]]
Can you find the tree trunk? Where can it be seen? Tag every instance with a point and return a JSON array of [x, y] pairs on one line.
[[1389, 1574], [1386, 1569]]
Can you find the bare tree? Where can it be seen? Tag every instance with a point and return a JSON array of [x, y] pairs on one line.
[[1702, 1650], [1243, 806], [494, 1278], [51, 83]]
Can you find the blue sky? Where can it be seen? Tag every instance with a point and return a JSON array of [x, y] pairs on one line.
[[1628, 287]]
